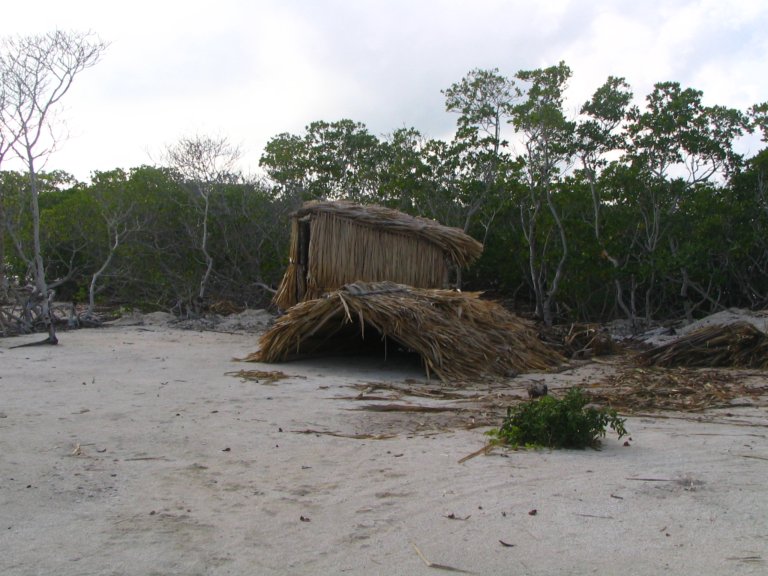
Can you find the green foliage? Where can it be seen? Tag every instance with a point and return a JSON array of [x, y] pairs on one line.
[[758, 114], [565, 423], [642, 212], [135, 231], [331, 160]]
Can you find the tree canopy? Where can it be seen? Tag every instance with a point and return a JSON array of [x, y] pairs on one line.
[[631, 208]]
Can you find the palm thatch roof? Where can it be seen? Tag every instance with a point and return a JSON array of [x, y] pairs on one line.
[[336, 243], [458, 336]]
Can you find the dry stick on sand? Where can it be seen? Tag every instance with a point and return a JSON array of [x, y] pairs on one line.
[[352, 436], [484, 450], [406, 408], [438, 566]]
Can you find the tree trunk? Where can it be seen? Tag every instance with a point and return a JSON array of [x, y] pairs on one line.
[[41, 285], [3, 277], [204, 248], [96, 275]]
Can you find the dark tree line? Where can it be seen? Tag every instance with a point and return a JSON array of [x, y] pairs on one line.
[[624, 211], [134, 238], [633, 211]]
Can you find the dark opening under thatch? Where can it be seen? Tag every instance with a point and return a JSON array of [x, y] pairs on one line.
[[458, 336], [738, 345]]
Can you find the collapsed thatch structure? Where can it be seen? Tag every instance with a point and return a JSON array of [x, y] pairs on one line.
[[458, 336], [737, 345], [335, 243]]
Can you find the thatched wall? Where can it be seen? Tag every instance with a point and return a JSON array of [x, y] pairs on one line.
[[341, 251], [336, 243], [458, 336], [293, 286]]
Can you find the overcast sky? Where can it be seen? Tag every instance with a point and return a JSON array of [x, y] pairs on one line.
[[251, 69]]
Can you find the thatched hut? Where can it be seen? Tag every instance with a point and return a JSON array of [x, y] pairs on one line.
[[337, 243], [458, 336]]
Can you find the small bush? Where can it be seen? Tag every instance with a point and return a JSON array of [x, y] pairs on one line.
[[566, 423]]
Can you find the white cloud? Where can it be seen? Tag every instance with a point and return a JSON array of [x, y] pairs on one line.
[[249, 70]]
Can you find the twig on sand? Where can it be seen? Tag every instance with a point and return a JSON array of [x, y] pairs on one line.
[[140, 458], [752, 456], [650, 479], [754, 559], [429, 564], [484, 450], [406, 408], [352, 436], [452, 516]]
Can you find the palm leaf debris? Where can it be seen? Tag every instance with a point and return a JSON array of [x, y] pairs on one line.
[[737, 345], [459, 336], [262, 376], [635, 389]]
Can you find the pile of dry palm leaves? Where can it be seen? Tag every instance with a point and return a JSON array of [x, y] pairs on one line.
[[738, 345], [458, 336]]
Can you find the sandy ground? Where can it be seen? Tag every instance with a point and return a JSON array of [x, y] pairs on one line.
[[130, 450]]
